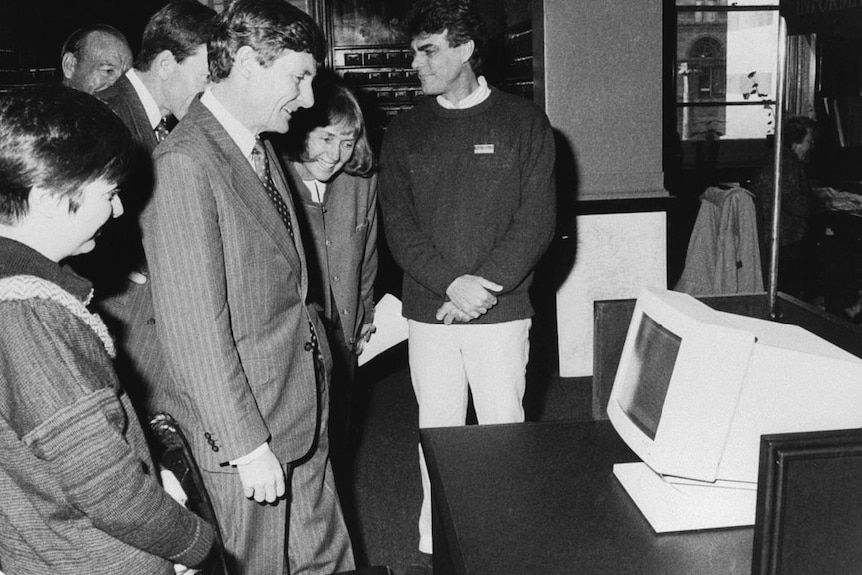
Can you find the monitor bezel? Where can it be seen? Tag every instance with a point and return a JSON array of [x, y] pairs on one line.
[[703, 391]]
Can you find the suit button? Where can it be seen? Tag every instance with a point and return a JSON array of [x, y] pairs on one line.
[[151, 321], [308, 346]]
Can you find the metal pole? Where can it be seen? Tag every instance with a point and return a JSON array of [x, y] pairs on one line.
[[684, 72], [779, 146]]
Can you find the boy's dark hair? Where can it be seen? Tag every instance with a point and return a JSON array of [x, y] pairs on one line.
[[269, 27], [59, 139], [181, 26], [458, 18]]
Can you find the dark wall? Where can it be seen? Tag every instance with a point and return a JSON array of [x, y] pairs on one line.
[[36, 29]]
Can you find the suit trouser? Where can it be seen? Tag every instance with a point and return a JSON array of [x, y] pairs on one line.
[[304, 534], [342, 431], [448, 362]]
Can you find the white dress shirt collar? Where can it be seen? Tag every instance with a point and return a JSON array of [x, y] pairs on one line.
[[154, 114], [241, 135], [475, 98]]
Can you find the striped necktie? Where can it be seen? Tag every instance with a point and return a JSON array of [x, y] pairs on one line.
[[261, 166]]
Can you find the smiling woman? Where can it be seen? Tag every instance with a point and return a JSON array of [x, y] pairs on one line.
[[99, 203], [330, 164], [63, 411]]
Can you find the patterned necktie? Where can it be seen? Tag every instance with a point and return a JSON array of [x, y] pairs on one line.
[[261, 166], [161, 130]]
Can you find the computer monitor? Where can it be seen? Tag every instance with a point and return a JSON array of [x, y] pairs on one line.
[[694, 391]]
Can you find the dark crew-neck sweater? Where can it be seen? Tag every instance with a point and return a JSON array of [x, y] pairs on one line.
[[468, 192]]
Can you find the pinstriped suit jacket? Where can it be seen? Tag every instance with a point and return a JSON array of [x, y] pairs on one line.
[[126, 306], [229, 288]]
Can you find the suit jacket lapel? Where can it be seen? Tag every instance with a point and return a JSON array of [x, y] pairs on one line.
[[248, 188], [140, 121]]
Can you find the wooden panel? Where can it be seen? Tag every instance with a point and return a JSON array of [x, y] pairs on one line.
[[610, 325], [809, 506]]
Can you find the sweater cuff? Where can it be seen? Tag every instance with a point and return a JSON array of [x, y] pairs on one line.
[[199, 548]]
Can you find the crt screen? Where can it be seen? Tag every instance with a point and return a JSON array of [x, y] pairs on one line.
[[648, 375]]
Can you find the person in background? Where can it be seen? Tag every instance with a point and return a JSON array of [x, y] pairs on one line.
[[94, 57], [797, 266], [248, 357], [330, 167], [77, 489], [468, 203], [171, 69]]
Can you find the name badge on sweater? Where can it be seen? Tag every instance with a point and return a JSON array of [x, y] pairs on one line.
[[483, 148]]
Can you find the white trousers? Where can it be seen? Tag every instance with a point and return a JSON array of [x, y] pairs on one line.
[[447, 362]]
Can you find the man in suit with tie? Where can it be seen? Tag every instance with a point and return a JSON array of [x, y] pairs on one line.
[[171, 69], [248, 359]]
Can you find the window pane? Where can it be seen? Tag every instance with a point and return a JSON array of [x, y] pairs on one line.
[[752, 62], [724, 2], [701, 123], [728, 56], [725, 122]]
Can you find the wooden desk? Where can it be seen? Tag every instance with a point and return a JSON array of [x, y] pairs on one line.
[[541, 498]]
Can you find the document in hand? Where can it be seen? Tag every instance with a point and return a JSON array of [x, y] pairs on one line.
[[391, 328]]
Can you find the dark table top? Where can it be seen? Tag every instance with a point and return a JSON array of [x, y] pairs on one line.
[[542, 498]]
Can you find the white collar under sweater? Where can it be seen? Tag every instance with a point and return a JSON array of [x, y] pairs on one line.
[[475, 98]]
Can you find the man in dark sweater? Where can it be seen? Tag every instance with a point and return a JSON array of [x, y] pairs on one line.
[[466, 188]]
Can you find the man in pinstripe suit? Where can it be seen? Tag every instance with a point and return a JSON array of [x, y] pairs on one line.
[[171, 69], [247, 357]]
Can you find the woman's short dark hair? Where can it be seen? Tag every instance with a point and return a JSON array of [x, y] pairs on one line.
[[181, 26], [796, 128], [269, 27], [334, 105], [59, 139], [458, 18]]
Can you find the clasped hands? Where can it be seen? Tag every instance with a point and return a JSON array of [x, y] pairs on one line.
[[469, 297]]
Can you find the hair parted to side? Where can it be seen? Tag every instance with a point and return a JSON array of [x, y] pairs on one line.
[[334, 105], [269, 27], [59, 139], [796, 128], [75, 42], [458, 18], [181, 26]]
